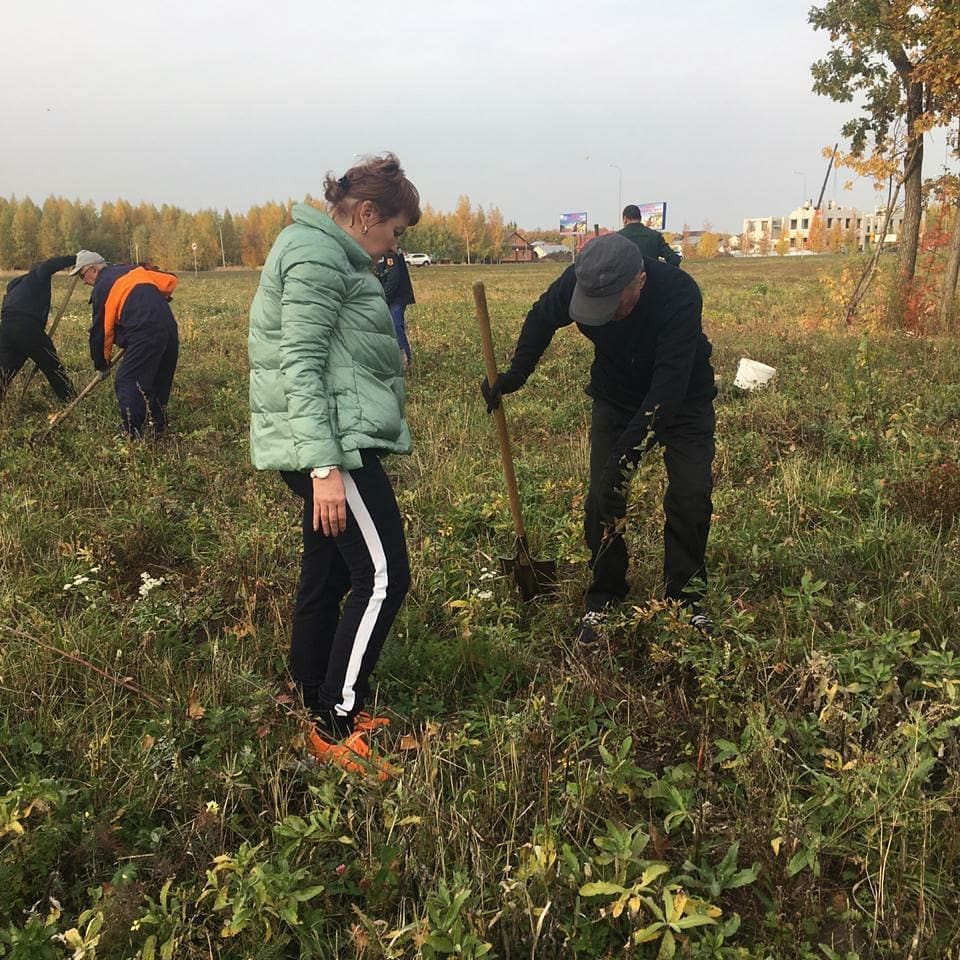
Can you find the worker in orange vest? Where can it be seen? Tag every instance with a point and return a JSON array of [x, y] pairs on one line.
[[131, 309]]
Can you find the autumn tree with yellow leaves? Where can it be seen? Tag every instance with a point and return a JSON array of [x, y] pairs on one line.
[[899, 58]]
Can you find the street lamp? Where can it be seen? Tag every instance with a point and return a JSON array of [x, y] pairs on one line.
[[800, 173], [223, 252], [616, 219]]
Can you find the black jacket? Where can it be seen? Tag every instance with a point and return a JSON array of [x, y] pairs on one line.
[[653, 364], [651, 243], [28, 296], [392, 272]]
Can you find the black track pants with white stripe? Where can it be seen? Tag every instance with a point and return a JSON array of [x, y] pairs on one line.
[[334, 649]]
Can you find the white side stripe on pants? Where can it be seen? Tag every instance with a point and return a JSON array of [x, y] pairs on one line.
[[368, 621]]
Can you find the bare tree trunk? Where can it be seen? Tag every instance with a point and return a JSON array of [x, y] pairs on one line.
[[950, 276], [863, 284], [909, 238]]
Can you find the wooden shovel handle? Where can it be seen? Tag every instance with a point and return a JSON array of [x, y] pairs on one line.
[[72, 405], [63, 306], [499, 418]]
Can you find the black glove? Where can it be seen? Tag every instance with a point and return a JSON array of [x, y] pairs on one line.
[[506, 382], [103, 372], [612, 491]]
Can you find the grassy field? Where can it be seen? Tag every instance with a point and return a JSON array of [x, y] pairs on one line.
[[788, 789]]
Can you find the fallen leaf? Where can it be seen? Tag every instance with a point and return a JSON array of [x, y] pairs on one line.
[[194, 710], [409, 742]]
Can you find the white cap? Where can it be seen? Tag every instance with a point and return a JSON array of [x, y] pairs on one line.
[[86, 258]]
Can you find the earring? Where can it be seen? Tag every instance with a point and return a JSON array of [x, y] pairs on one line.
[[364, 229]]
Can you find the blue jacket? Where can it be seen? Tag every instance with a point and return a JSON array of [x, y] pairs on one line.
[[145, 312]]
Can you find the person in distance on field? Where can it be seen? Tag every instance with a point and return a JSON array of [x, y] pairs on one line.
[[131, 309], [650, 242], [651, 383], [327, 403], [398, 290], [23, 321]]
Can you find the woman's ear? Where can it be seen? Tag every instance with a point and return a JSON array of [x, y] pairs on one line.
[[367, 213]]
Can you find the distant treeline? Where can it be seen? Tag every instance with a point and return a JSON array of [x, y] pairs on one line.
[[124, 232]]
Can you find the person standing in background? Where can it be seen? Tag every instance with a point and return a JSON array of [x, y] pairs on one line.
[[398, 290], [650, 242]]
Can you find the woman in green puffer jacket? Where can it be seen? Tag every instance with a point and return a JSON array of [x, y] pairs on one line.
[[326, 403]]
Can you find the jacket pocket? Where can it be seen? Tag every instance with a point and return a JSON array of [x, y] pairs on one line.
[[344, 400], [381, 416]]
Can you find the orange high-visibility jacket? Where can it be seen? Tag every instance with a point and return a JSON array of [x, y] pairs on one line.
[[116, 298]]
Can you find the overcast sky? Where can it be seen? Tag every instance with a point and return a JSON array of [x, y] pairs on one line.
[[525, 105]]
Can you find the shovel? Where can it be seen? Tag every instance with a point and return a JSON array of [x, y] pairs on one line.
[[39, 437], [51, 331], [533, 577]]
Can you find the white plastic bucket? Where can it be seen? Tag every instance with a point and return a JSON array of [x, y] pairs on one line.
[[752, 374]]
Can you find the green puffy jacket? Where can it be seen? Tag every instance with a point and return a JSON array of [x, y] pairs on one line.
[[325, 373]]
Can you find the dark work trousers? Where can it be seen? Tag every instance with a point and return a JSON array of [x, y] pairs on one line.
[[397, 311], [145, 374], [334, 650], [688, 450], [23, 340]]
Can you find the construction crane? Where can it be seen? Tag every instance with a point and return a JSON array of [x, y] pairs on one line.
[[817, 215]]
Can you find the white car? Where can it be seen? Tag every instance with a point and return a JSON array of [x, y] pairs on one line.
[[417, 259]]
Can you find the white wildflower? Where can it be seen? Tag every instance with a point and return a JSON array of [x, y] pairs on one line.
[[148, 583]]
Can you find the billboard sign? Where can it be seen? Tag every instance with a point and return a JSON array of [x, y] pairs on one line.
[[653, 215], [573, 223]]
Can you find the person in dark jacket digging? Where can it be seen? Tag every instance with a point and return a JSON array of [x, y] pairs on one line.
[[131, 310], [398, 290], [649, 242], [651, 383], [23, 322]]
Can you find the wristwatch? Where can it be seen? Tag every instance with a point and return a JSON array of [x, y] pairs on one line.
[[321, 473]]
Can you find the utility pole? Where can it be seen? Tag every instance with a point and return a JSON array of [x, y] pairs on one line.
[[223, 254], [616, 219]]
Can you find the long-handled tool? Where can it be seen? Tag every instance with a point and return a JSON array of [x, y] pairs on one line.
[[51, 331], [533, 577], [62, 415]]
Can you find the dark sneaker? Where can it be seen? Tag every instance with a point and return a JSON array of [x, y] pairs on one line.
[[591, 627], [702, 623]]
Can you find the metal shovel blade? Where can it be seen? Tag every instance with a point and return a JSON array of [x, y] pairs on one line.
[[533, 577]]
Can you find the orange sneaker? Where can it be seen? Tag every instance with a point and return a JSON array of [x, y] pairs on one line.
[[352, 753], [347, 753], [364, 722]]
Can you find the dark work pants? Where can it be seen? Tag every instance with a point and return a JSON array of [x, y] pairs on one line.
[[688, 449], [23, 341], [333, 651], [145, 375], [397, 311]]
